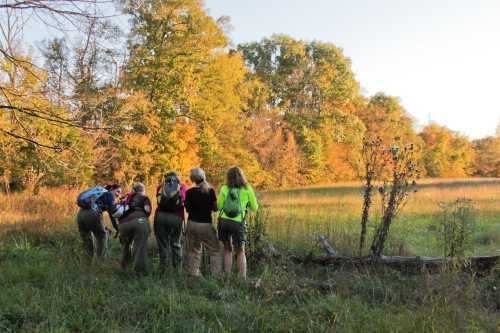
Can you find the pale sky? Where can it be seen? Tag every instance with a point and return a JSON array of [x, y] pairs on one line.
[[441, 57]]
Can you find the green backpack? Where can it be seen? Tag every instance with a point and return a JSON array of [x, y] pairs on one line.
[[232, 205]]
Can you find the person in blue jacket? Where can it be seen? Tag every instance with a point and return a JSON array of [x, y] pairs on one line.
[[91, 222]]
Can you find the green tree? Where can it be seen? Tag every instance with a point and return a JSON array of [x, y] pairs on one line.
[[305, 78]]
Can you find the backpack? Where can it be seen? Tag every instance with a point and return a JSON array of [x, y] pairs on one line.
[[232, 205], [134, 202], [125, 205], [87, 199], [169, 196]]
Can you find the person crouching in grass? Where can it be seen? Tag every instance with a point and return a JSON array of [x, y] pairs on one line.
[[91, 222], [134, 229]]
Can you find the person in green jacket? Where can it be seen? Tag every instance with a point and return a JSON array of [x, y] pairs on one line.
[[234, 201]]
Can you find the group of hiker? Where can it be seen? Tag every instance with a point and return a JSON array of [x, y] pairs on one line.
[[176, 204]]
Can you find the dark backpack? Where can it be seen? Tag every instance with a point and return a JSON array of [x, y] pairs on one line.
[[135, 203], [169, 196], [232, 205], [87, 199]]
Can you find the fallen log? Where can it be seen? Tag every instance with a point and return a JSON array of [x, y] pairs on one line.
[[325, 244], [478, 264], [409, 264]]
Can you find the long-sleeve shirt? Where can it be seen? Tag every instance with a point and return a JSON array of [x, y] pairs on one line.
[[248, 200], [107, 203], [140, 206]]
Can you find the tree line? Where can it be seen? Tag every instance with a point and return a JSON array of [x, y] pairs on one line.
[[173, 92]]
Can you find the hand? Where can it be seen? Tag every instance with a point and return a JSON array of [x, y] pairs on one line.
[[184, 227]]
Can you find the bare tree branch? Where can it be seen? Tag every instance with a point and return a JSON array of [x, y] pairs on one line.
[[20, 137], [60, 7], [51, 118]]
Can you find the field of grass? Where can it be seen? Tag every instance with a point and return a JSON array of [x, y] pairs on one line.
[[47, 286], [297, 216]]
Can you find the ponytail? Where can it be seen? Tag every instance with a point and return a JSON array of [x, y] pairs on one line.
[[199, 178], [204, 186]]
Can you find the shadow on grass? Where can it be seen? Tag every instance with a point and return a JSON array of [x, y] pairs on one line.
[[345, 190]]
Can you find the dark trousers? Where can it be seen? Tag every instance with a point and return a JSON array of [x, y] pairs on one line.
[[91, 226], [134, 239], [168, 231]]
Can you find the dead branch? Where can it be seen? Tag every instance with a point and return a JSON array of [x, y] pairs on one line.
[[407, 264], [60, 7], [411, 264], [50, 117], [20, 137], [325, 244]]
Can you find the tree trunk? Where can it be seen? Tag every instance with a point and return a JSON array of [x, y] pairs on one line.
[[6, 181], [380, 237], [366, 209], [33, 182]]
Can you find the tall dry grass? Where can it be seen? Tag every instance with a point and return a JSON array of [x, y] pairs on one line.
[[50, 205], [295, 217]]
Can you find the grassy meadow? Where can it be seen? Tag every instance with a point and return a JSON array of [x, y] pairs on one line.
[[47, 286], [298, 216]]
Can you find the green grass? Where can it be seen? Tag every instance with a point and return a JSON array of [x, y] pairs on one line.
[[49, 288], [47, 285]]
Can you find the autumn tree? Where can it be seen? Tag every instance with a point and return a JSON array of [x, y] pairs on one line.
[[313, 86], [83, 76], [178, 59], [384, 117], [446, 153], [487, 157], [41, 133], [49, 147], [172, 94], [276, 150]]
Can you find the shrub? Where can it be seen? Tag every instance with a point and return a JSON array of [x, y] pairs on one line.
[[455, 227]]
